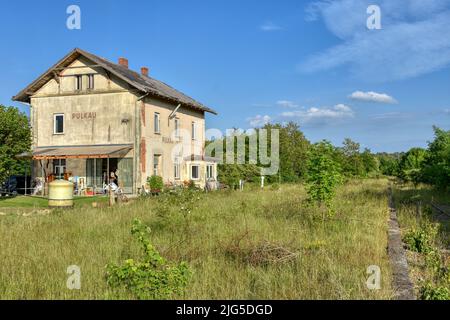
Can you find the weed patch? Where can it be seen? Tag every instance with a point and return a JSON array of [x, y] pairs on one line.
[[151, 278]]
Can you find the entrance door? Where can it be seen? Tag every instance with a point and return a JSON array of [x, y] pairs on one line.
[[125, 174], [94, 173]]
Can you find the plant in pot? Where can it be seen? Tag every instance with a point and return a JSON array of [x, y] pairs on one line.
[[156, 184]]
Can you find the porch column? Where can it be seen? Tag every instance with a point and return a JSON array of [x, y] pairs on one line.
[[26, 172], [107, 171], [43, 179], [95, 175]]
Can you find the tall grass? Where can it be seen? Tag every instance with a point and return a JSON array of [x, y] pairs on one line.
[[331, 256]]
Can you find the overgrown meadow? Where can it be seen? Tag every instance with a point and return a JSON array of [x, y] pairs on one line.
[[426, 233], [251, 244]]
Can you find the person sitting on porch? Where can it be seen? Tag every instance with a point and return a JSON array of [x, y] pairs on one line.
[[114, 178]]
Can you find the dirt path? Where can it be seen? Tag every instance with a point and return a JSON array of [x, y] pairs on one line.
[[401, 283]]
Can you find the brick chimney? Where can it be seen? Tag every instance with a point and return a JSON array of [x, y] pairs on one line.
[[144, 71], [123, 62]]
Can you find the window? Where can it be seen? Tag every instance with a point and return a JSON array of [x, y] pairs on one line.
[[194, 131], [176, 168], [59, 168], [209, 172], [58, 124], [90, 81], [195, 172], [177, 128], [156, 122], [78, 83], [156, 161]]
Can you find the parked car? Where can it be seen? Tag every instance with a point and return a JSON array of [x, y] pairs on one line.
[[15, 185]]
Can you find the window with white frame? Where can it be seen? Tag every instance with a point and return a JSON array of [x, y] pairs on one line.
[[58, 123], [210, 172], [90, 78], [176, 168], [195, 172], [78, 83], [156, 164], [59, 168], [194, 130], [156, 123]]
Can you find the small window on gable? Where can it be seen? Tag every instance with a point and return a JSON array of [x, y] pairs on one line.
[[58, 123], [90, 78], [78, 83]]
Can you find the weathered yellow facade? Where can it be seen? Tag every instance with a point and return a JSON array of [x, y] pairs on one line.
[[112, 112]]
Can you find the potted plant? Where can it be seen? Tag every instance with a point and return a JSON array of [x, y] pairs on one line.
[[156, 184]]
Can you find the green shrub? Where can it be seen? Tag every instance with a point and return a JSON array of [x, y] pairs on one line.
[[230, 174], [191, 185], [431, 292], [156, 183], [323, 175], [152, 278], [421, 240]]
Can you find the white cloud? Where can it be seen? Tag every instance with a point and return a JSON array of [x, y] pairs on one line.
[[325, 114], [371, 96], [413, 41], [270, 26], [258, 120], [286, 104]]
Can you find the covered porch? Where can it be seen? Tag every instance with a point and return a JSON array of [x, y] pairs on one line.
[[90, 168]]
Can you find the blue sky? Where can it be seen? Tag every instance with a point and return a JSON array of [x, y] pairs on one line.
[[312, 62]]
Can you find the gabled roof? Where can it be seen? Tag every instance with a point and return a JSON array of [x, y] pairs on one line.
[[145, 84]]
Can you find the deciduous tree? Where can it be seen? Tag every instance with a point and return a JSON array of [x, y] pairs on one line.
[[15, 138]]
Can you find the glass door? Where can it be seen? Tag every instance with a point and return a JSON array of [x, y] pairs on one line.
[[94, 173], [125, 174]]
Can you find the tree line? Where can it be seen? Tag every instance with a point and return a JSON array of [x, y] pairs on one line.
[[419, 165], [431, 165]]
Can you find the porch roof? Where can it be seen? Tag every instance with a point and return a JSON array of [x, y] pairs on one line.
[[201, 158], [81, 152]]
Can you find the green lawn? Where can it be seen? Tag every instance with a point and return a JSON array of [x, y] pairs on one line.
[[221, 240], [39, 202], [23, 202]]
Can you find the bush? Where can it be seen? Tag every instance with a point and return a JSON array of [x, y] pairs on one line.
[[153, 278], [155, 183], [431, 292], [230, 174], [421, 240], [323, 175]]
